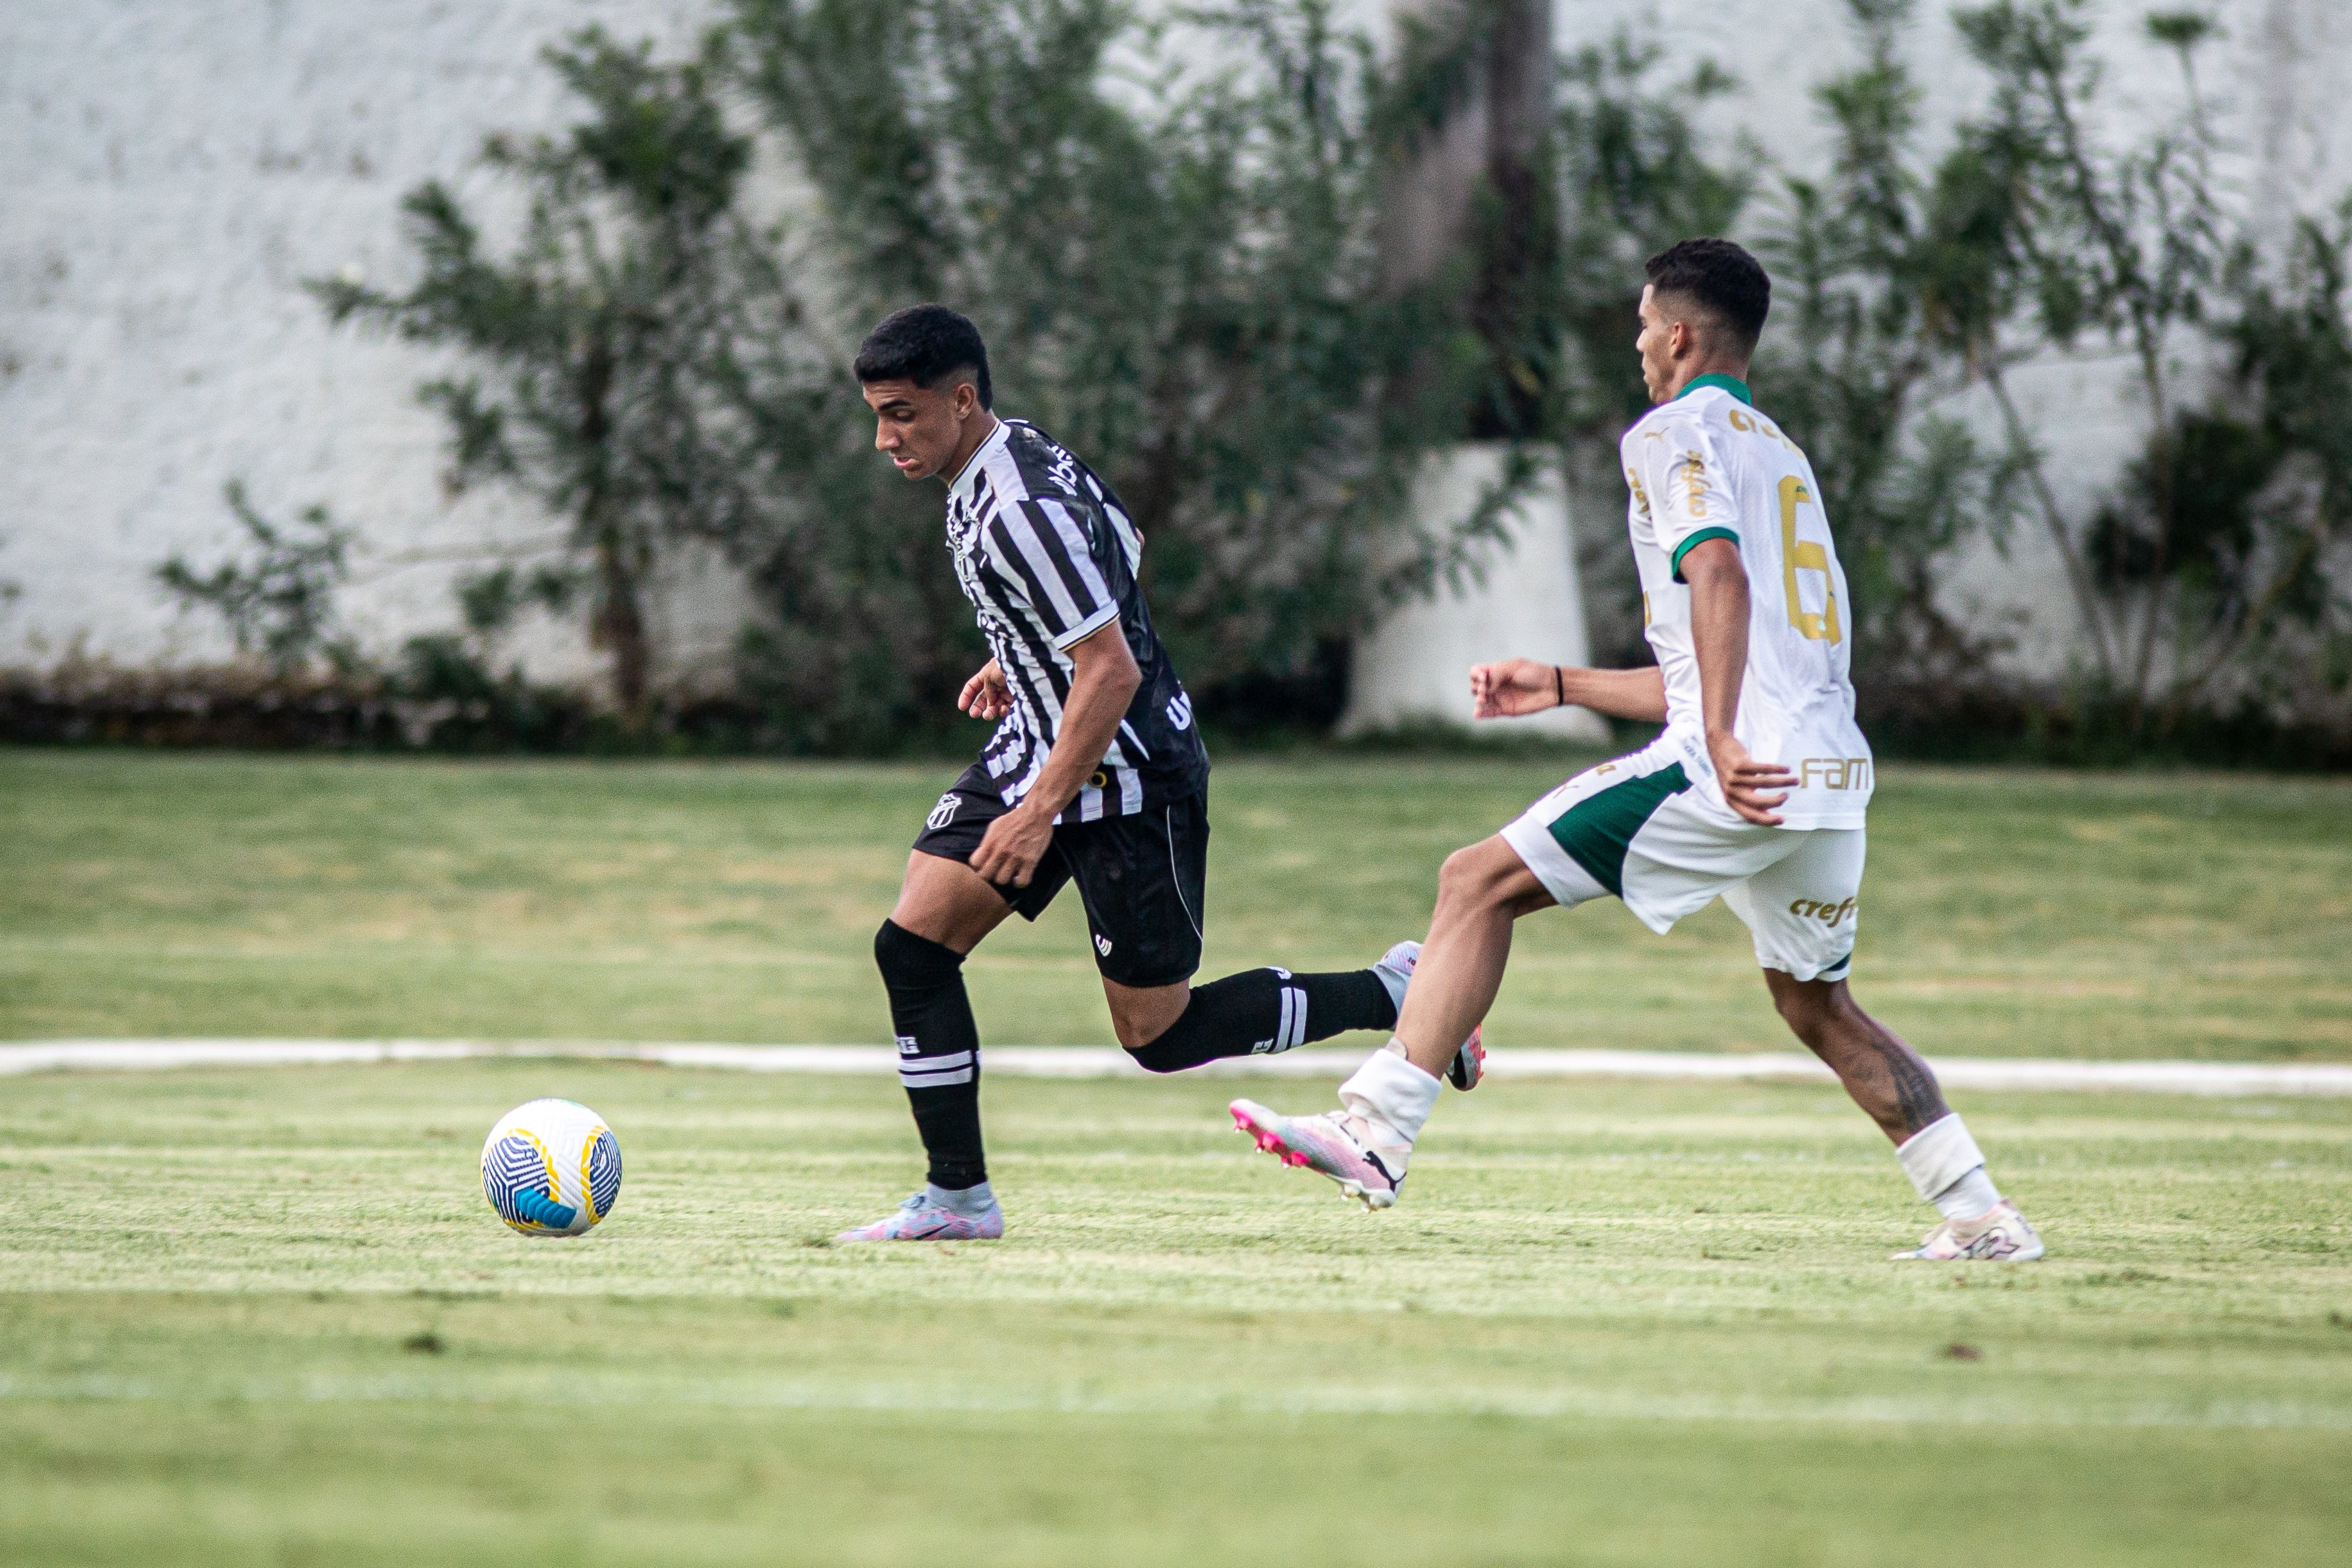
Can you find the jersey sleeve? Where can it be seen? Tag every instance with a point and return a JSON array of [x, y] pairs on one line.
[[1045, 546], [1689, 492]]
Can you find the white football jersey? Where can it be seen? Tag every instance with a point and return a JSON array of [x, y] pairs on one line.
[[1708, 466]]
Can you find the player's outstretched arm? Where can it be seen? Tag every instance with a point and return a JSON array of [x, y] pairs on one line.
[[1718, 612], [1519, 686]]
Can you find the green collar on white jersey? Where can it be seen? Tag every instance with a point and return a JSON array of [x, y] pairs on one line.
[[1730, 383]]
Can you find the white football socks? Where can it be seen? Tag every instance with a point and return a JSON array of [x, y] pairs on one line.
[[1391, 1096], [971, 1202], [1947, 1168]]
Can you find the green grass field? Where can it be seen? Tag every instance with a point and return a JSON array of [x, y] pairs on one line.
[[266, 1316], [2006, 912]]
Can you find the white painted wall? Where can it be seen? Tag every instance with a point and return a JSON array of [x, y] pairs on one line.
[[1519, 599], [175, 170]]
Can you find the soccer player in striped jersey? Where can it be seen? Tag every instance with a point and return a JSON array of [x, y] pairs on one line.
[[1755, 791], [1096, 775]]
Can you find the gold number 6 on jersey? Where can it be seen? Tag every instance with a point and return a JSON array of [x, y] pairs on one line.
[[1810, 557]]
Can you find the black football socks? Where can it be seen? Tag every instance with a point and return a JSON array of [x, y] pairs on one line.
[[1260, 1011], [939, 1051]]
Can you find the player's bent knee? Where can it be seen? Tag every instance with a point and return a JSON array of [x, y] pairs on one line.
[[1172, 1048], [1466, 875], [907, 960], [1482, 877]]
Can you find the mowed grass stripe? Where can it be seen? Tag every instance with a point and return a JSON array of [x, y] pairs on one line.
[[266, 1315], [2007, 913]]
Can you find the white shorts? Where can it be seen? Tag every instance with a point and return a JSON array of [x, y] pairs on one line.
[[1633, 829]]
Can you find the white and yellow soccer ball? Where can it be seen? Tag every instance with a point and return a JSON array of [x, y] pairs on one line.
[[551, 1168]]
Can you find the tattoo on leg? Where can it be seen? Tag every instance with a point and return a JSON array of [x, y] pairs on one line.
[[1917, 1095]]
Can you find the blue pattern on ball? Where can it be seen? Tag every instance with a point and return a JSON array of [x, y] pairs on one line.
[[603, 1171], [512, 1168], [554, 1215]]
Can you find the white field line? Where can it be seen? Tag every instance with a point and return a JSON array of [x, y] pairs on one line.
[[591, 1391], [1103, 1061]]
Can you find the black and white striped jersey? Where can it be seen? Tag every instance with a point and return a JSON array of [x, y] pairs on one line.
[[1047, 556]]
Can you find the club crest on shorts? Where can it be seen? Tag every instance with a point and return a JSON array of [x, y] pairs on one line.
[[943, 812], [1102, 945]]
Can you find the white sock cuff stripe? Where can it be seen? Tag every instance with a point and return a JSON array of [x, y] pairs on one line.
[[1293, 1018], [934, 1079], [1938, 1154], [939, 1063]]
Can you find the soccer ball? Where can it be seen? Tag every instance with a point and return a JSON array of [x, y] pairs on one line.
[[551, 1168]]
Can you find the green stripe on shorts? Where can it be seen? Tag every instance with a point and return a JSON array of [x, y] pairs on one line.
[[1598, 830]]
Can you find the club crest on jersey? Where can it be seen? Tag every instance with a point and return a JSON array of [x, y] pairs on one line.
[[1179, 710], [943, 812]]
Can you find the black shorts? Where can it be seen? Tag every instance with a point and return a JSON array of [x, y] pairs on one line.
[[1141, 878]]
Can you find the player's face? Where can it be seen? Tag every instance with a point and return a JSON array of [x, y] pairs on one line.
[[1656, 345], [919, 428]]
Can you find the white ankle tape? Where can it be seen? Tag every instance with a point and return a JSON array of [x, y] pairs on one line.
[[1391, 1092], [1938, 1154]]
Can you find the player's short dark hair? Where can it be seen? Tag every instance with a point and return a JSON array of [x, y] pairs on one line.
[[923, 343], [1721, 280]]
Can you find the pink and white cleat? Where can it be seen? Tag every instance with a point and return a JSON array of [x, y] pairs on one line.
[[1395, 970], [1325, 1144], [1999, 1235], [921, 1219]]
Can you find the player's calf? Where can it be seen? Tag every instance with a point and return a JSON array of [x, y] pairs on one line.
[[1395, 970], [1260, 1012], [1894, 1084]]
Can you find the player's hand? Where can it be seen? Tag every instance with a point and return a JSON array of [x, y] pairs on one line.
[[1009, 851], [1747, 782], [1514, 687], [985, 695]]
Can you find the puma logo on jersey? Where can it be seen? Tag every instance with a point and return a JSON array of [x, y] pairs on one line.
[[1828, 914]]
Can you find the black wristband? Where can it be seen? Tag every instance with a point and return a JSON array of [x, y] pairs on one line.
[[1558, 687]]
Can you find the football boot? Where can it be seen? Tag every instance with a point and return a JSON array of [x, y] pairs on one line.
[[1999, 1235], [1331, 1144], [921, 1219]]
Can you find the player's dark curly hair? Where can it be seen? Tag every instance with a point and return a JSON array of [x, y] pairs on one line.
[[924, 343], [1724, 281]]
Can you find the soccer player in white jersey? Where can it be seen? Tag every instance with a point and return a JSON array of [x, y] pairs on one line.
[[1755, 791]]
